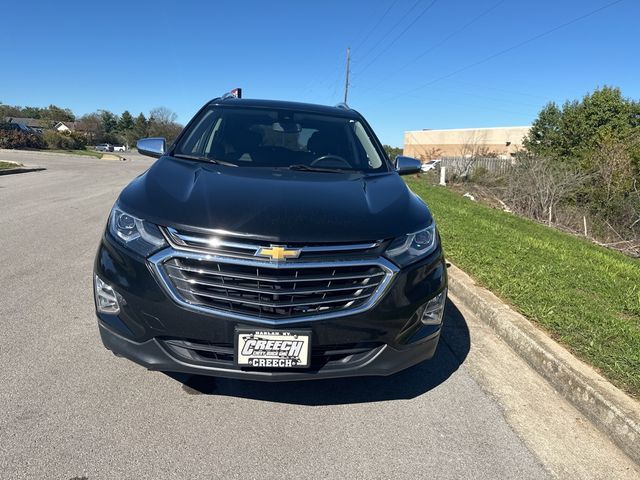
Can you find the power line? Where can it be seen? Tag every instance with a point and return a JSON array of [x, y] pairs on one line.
[[335, 89], [366, 37], [316, 82], [440, 43], [477, 85], [382, 38], [502, 90], [459, 93], [420, 15], [491, 107], [513, 47], [486, 97], [320, 82]]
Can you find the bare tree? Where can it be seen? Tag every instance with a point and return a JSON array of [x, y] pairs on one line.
[[162, 123], [91, 126], [431, 153], [536, 186], [423, 152], [163, 115], [473, 148]]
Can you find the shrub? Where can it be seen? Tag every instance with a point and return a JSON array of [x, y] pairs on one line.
[[14, 139], [80, 141], [479, 175], [537, 186], [64, 141]]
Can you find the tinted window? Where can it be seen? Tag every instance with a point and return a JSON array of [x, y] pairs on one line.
[[280, 138]]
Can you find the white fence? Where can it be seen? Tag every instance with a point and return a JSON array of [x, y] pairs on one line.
[[458, 165]]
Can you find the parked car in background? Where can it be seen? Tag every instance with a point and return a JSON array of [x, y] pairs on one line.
[[430, 165], [104, 147], [119, 148]]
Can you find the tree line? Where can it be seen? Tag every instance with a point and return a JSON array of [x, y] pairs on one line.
[[592, 150], [105, 126], [101, 126], [52, 113], [579, 169]]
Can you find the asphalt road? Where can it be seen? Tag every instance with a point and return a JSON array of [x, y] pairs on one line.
[[70, 409]]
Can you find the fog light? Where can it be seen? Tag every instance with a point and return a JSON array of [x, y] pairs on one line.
[[434, 309], [106, 297]]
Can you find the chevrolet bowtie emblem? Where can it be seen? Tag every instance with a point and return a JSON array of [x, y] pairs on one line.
[[277, 253]]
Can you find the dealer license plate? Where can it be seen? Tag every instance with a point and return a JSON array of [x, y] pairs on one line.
[[272, 348]]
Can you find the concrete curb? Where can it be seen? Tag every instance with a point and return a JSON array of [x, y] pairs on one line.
[[20, 169], [112, 156], [44, 152], [610, 409]]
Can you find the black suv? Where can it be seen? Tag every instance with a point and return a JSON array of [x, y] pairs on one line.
[[272, 241]]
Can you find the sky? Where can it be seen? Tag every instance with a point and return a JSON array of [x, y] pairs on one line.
[[414, 63]]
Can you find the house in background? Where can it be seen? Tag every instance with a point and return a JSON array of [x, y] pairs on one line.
[[64, 127], [28, 124], [37, 125], [464, 142]]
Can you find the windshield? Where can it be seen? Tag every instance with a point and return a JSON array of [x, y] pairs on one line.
[[248, 137]]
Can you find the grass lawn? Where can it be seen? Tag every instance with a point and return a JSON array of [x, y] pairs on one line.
[[88, 153], [8, 165], [585, 296]]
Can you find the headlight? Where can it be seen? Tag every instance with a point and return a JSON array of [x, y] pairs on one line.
[[140, 236], [412, 247]]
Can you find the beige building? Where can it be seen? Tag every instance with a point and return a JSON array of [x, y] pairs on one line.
[[426, 144]]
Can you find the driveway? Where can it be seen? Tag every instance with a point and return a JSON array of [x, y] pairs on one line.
[[70, 409]]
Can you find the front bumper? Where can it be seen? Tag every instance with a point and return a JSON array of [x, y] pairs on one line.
[[383, 361], [148, 317]]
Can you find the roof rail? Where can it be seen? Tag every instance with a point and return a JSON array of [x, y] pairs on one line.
[[235, 93], [343, 106]]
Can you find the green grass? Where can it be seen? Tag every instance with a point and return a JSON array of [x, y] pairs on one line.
[[8, 165], [88, 153], [585, 296]]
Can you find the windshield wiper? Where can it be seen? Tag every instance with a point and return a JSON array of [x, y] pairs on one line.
[[204, 159], [309, 168]]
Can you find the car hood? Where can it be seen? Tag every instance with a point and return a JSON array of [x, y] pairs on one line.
[[275, 204]]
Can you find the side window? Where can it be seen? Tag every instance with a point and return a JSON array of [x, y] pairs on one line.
[[200, 133], [212, 135], [373, 159]]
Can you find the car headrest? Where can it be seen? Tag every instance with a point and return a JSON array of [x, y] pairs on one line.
[[322, 143]]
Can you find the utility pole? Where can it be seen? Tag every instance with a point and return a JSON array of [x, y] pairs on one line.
[[346, 82]]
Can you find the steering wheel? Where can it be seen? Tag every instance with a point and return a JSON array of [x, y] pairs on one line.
[[330, 157]]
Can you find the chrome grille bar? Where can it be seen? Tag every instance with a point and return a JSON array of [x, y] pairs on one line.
[[207, 241], [272, 293], [229, 243], [342, 299], [208, 271], [291, 291]]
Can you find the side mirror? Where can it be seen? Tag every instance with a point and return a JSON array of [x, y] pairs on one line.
[[152, 147], [407, 165]]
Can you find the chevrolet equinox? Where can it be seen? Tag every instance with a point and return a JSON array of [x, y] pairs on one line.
[[271, 241]]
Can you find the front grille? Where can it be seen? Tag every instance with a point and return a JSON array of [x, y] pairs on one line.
[[223, 353], [273, 291], [228, 244]]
